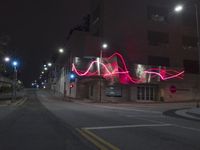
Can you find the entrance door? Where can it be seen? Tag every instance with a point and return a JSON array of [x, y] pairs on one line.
[[147, 92]]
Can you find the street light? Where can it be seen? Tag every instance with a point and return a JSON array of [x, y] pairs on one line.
[[104, 46], [15, 64], [61, 50], [179, 8], [45, 68], [49, 64], [7, 59]]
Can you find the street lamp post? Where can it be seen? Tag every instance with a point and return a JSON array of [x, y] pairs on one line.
[[198, 42], [14, 63], [104, 46], [179, 8]]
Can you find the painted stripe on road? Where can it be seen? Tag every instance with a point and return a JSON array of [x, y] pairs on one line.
[[127, 126], [121, 108], [96, 140]]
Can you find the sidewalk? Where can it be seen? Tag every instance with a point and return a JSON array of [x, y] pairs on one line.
[[6, 98], [190, 113]]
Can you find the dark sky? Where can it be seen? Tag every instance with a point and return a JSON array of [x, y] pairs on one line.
[[37, 28]]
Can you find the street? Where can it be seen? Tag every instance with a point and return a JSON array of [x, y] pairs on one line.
[[46, 122], [31, 126]]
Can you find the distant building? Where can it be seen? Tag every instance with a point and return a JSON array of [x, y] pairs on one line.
[[146, 33]]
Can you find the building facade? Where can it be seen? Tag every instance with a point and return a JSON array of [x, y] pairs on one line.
[[145, 33]]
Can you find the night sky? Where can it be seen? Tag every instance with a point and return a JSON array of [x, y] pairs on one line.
[[37, 28]]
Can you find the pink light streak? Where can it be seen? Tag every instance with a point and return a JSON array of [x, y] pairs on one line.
[[123, 74]]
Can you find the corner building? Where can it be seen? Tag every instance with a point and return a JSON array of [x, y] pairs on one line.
[[146, 33]]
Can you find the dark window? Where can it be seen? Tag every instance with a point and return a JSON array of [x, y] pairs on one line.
[[158, 61], [188, 18], [189, 42], [191, 66], [158, 38], [157, 14]]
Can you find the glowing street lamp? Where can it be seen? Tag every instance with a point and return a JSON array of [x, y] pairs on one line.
[[49, 64], [61, 50], [7, 59], [45, 68], [45, 65], [15, 63], [104, 46], [178, 8]]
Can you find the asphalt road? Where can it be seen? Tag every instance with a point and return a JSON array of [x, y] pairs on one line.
[[32, 127], [45, 122], [110, 127]]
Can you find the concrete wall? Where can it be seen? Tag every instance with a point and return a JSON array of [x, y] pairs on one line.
[[186, 89]]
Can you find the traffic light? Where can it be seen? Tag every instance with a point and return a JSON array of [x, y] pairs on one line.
[[72, 77], [71, 85]]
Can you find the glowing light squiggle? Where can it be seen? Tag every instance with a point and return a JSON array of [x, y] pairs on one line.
[[124, 74]]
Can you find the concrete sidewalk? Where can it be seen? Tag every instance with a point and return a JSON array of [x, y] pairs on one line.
[[190, 113]]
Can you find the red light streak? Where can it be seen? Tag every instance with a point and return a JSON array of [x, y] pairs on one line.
[[123, 73]]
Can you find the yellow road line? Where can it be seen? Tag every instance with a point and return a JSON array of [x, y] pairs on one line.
[[96, 140], [92, 140]]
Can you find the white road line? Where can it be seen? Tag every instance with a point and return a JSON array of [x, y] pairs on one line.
[[153, 121], [174, 125], [188, 128], [122, 108], [127, 126]]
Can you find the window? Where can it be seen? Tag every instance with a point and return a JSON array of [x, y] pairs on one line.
[[158, 38], [147, 92], [188, 18], [191, 66], [158, 61], [157, 14], [189, 42]]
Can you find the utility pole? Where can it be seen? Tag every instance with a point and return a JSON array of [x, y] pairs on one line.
[[198, 45], [14, 84]]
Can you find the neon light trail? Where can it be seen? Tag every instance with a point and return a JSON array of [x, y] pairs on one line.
[[110, 70]]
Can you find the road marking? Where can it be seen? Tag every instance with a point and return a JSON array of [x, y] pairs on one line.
[[21, 102], [188, 128], [96, 140], [121, 108], [150, 120], [172, 124], [127, 126]]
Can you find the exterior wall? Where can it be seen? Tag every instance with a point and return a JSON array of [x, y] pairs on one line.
[[61, 82], [133, 93], [91, 91], [126, 32], [186, 89]]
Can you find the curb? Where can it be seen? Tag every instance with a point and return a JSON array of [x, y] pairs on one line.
[[19, 102], [172, 113]]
